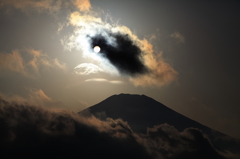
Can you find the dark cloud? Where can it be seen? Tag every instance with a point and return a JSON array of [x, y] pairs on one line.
[[172, 144], [123, 53], [26, 128]]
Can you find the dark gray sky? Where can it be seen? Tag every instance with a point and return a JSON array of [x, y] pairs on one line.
[[198, 40]]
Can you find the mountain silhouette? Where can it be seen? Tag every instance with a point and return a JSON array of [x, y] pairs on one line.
[[148, 129], [142, 112]]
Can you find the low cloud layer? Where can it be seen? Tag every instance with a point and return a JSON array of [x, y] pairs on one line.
[[28, 128]]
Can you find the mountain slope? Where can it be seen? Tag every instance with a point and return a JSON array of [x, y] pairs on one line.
[[142, 112], [136, 109]]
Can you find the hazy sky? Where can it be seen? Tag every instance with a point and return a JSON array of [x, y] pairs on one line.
[[191, 48]]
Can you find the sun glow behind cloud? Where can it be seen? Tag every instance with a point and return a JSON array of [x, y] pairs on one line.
[[88, 27]]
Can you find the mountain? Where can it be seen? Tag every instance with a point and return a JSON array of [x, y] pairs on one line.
[[142, 112], [28, 129]]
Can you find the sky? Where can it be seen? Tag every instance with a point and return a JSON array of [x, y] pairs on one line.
[[182, 54]]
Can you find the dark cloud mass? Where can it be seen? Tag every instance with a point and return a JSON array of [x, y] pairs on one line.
[[26, 128], [123, 53]]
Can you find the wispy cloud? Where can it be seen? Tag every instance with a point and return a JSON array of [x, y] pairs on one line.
[[34, 97], [15, 63], [59, 64], [177, 36], [50, 6], [103, 80], [82, 5], [39, 96]]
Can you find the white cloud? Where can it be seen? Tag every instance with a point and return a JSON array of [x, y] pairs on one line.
[[87, 68], [103, 80]]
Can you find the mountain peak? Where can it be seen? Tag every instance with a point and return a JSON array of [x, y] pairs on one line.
[[126, 102], [141, 111], [124, 97]]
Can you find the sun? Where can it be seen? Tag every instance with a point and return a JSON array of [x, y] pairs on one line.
[[97, 49]]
